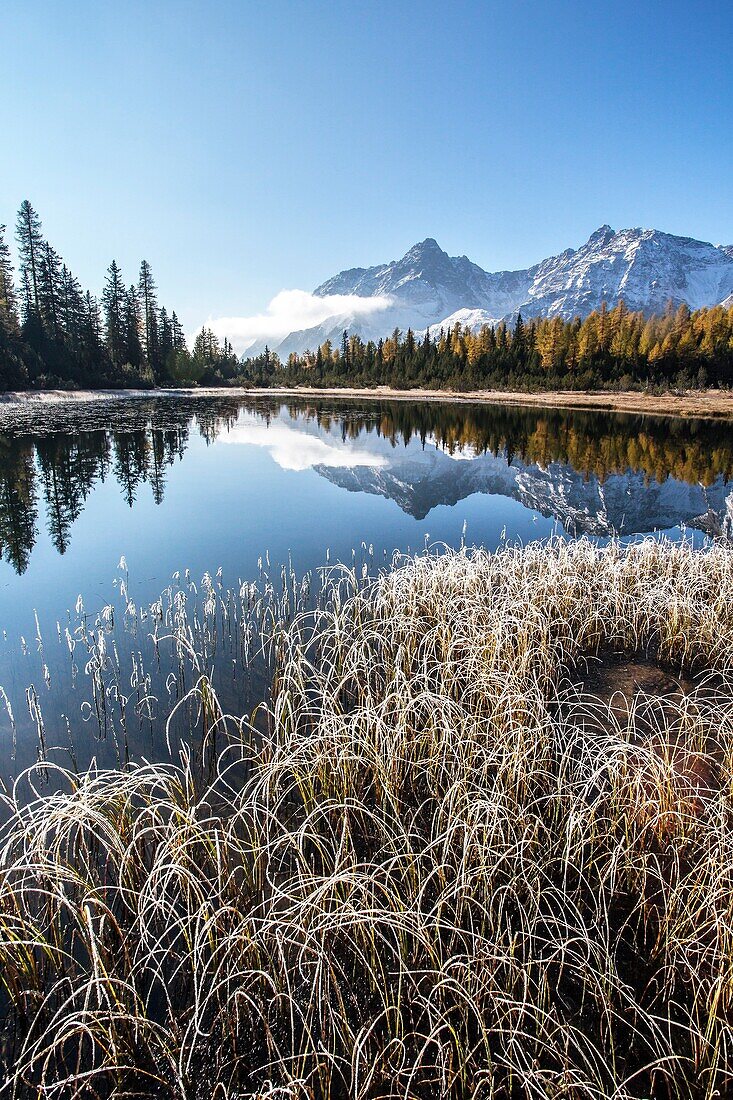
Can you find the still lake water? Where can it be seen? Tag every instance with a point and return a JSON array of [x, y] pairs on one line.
[[231, 489]]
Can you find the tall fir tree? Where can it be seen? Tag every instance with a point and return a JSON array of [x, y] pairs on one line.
[[133, 344], [148, 304], [30, 248], [179, 340], [49, 290], [71, 311], [165, 340], [114, 301], [8, 300]]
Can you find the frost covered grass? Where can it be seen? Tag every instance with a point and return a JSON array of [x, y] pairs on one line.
[[430, 866]]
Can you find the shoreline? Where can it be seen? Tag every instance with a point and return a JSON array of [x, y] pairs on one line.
[[701, 404]]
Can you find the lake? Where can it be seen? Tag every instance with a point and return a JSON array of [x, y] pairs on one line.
[[107, 504]]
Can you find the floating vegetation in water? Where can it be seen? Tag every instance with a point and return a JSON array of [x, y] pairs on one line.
[[477, 841]]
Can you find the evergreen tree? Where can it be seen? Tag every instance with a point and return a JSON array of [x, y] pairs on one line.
[[165, 338], [92, 327], [49, 290], [133, 345], [114, 300], [61, 338], [179, 340], [72, 312], [148, 305], [8, 302], [206, 347], [30, 247]]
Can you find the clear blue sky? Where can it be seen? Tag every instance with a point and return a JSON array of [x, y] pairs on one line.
[[244, 146]]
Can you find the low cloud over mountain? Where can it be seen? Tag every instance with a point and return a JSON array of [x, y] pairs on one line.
[[291, 310]]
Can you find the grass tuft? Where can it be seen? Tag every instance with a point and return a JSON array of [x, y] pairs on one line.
[[434, 864]]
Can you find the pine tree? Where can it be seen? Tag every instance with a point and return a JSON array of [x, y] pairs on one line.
[[92, 351], [165, 338], [8, 302], [148, 304], [49, 290], [133, 345], [179, 340], [206, 347], [114, 300], [30, 246], [71, 311], [92, 320]]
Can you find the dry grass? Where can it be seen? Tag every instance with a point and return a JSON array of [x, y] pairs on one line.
[[435, 868], [707, 403]]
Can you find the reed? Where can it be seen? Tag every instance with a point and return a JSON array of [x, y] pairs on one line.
[[432, 863]]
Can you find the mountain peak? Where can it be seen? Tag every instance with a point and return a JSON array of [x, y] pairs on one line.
[[428, 247], [602, 235]]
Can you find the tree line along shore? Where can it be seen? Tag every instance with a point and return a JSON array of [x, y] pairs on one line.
[[55, 335]]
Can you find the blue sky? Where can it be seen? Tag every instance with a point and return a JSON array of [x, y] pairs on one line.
[[247, 147]]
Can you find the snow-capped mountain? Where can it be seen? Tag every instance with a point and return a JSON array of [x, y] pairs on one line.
[[429, 289], [644, 267]]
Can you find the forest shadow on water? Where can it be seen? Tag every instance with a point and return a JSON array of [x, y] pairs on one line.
[[147, 542]]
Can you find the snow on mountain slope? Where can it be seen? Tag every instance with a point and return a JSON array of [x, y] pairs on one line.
[[434, 283], [467, 318], [428, 288], [645, 267]]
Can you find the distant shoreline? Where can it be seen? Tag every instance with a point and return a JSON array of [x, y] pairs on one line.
[[705, 404]]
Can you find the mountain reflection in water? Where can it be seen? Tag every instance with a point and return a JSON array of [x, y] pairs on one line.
[[596, 473]]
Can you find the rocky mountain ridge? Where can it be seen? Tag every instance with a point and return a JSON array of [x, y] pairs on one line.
[[427, 288]]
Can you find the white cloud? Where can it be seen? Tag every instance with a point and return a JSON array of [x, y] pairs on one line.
[[289, 311], [297, 450]]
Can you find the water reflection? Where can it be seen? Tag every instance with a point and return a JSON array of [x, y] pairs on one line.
[[676, 471], [184, 486]]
